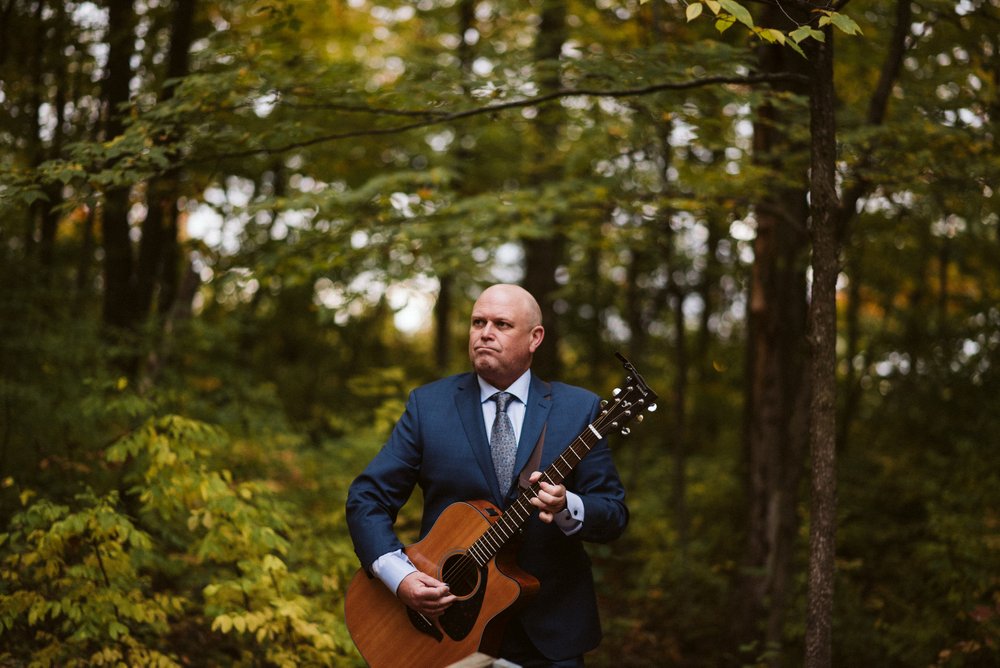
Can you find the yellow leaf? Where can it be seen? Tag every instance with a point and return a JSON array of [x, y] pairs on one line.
[[693, 11], [772, 35], [223, 623], [713, 5]]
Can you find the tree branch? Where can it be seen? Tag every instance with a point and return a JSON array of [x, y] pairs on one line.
[[506, 106]]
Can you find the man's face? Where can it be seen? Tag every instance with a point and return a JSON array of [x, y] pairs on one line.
[[503, 335]]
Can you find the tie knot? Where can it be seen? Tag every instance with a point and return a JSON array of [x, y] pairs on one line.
[[502, 399]]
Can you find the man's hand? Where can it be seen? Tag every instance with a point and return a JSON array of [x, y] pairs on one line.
[[551, 499], [424, 594]]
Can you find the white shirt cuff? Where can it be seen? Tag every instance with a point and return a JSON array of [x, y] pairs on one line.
[[391, 568], [570, 519]]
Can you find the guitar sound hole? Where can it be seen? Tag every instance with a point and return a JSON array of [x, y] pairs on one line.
[[461, 573]]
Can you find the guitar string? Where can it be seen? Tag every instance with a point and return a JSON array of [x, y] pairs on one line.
[[466, 565]]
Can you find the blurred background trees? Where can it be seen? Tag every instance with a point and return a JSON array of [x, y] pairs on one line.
[[234, 234]]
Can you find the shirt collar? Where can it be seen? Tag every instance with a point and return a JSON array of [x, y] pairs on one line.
[[519, 388]]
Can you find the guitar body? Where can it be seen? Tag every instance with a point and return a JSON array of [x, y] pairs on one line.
[[387, 633]]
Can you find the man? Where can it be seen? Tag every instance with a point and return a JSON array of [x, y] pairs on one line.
[[442, 443]]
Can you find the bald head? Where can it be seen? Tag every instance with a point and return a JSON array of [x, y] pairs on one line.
[[516, 297], [505, 330]]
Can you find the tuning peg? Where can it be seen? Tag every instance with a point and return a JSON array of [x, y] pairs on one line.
[[615, 392], [604, 403], [652, 408], [626, 431], [638, 418]]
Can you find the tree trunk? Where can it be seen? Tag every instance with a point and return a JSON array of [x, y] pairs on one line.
[[49, 220], [119, 287], [775, 424], [35, 148], [543, 256], [442, 324], [823, 338], [709, 279], [444, 306], [678, 492], [158, 267]]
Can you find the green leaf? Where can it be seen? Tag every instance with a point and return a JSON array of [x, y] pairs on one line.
[[738, 11], [693, 11], [116, 630], [34, 195], [806, 32], [845, 24]]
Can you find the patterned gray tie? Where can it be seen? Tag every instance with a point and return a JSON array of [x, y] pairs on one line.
[[502, 442]]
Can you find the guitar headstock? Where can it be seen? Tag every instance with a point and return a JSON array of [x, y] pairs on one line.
[[630, 402]]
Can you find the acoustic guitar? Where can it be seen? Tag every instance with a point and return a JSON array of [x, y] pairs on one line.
[[471, 547]]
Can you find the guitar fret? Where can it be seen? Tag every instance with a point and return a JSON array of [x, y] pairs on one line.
[[503, 530]]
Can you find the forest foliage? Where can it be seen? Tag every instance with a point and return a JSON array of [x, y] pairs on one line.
[[233, 235]]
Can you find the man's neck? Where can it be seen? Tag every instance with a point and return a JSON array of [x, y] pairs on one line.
[[520, 385]]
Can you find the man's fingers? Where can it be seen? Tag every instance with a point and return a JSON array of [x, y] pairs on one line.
[[434, 593]]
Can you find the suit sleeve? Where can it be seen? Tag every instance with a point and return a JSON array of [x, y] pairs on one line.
[[377, 494]]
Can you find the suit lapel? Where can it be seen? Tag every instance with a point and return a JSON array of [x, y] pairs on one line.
[[470, 411], [536, 413]]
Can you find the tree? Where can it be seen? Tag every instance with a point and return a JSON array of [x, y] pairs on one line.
[[544, 253], [824, 207], [776, 409]]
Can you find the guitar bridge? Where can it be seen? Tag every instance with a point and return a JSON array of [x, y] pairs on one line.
[[424, 625]]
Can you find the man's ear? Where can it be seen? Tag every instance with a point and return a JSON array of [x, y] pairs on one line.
[[537, 335]]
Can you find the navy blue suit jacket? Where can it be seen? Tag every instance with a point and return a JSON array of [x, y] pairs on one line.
[[441, 444]]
